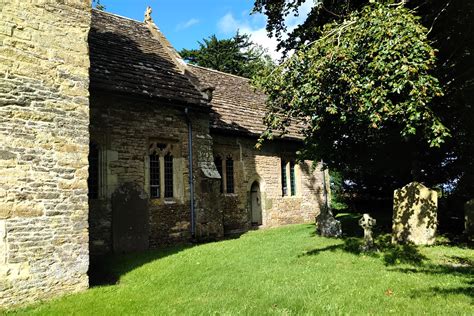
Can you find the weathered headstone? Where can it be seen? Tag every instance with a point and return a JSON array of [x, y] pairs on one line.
[[130, 219], [327, 225], [367, 223], [414, 214], [469, 219]]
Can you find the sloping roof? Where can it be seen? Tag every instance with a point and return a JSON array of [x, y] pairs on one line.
[[236, 105], [127, 58]]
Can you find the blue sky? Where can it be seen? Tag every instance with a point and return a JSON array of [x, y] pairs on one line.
[[184, 22]]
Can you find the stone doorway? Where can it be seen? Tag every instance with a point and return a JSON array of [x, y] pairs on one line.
[[256, 204]]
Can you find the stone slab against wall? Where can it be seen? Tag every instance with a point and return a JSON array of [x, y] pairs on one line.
[[414, 214]]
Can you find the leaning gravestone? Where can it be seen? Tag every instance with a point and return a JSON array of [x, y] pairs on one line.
[[469, 219], [414, 214], [130, 219]]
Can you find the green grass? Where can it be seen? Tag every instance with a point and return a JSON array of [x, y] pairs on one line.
[[278, 271]]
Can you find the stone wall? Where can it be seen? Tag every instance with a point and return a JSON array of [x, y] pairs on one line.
[[263, 166], [44, 139], [123, 128]]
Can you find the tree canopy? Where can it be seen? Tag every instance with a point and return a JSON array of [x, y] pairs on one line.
[[366, 81], [237, 55]]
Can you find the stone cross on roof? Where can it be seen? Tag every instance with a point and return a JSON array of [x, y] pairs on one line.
[[148, 14]]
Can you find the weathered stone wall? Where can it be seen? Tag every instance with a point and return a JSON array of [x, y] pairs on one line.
[[44, 139], [263, 166], [123, 129]]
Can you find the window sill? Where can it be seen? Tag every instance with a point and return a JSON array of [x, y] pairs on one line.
[[229, 194]]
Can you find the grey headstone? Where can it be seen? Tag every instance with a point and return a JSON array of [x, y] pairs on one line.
[[130, 219]]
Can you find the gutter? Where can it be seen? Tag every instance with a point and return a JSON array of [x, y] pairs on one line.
[[190, 163]]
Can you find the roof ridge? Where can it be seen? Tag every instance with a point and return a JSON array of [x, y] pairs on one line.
[[117, 16], [218, 71]]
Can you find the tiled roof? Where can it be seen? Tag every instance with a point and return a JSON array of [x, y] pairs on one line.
[[236, 105], [127, 57]]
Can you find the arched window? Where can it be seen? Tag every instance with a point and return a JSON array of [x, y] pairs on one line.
[[93, 180], [284, 185], [292, 178], [229, 171], [168, 176], [161, 169], [155, 175]]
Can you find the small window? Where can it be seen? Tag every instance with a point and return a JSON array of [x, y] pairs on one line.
[[93, 180], [292, 178], [154, 176], [229, 170], [284, 184], [168, 176], [218, 163]]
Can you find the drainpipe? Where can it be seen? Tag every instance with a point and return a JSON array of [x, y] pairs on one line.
[[190, 161]]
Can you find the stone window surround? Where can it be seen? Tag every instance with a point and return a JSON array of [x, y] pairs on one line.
[[171, 147], [287, 161]]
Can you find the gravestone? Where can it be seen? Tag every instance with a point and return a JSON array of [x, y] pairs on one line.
[[414, 214], [367, 223], [327, 225], [130, 219], [469, 219]]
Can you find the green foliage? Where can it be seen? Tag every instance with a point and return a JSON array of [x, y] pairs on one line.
[[237, 55], [394, 254], [337, 190], [369, 72], [323, 12]]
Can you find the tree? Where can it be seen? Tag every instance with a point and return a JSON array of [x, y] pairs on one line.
[[237, 55], [380, 158], [363, 91]]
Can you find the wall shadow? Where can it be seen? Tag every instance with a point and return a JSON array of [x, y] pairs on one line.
[[107, 269]]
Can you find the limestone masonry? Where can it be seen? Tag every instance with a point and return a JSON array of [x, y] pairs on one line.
[[44, 143], [109, 142]]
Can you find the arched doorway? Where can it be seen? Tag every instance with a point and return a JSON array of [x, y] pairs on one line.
[[256, 204]]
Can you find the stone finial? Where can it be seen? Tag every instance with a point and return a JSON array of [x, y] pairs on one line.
[[148, 14]]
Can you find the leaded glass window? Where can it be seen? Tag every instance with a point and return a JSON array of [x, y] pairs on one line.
[[168, 176], [292, 178], [284, 184], [229, 170], [155, 176]]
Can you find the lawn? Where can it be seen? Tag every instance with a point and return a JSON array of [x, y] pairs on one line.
[[278, 271]]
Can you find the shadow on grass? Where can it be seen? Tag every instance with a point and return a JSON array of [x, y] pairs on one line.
[[107, 269], [392, 254], [464, 268]]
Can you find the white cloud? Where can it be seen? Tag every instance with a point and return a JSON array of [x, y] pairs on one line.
[[254, 25], [187, 24]]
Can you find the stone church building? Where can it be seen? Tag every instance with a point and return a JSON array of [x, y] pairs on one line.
[[109, 142]]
